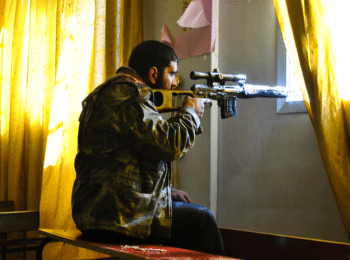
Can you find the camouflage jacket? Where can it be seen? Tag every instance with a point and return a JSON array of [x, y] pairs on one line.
[[123, 181]]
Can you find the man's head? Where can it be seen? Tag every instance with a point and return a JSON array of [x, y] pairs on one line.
[[156, 63]]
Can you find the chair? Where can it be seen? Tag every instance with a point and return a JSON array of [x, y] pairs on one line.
[[17, 221]]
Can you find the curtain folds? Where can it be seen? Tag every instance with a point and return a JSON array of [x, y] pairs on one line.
[[52, 54], [27, 66], [319, 49], [130, 8]]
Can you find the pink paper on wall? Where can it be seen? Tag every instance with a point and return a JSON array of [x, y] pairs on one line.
[[166, 36], [194, 43], [195, 16], [200, 14]]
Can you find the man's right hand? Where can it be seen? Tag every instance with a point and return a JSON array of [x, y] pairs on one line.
[[196, 103]]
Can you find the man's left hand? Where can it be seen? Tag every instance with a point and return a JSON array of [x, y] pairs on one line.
[[179, 195]]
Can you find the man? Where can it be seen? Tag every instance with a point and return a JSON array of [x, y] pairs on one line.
[[123, 188]]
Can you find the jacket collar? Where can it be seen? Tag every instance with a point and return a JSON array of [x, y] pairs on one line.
[[127, 75]]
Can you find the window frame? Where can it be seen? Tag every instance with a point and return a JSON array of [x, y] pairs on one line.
[[284, 72]]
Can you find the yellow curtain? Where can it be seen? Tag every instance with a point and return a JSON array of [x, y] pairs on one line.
[[27, 79], [52, 54], [315, 35]]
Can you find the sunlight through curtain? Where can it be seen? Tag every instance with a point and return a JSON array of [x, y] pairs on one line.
[[315, 35], [27, 67], [52, 54]]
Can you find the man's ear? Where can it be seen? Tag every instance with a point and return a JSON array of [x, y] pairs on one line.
[[153, 74]]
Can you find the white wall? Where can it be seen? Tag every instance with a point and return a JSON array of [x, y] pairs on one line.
[[271, 177]]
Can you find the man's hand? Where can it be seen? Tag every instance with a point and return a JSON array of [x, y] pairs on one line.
[[179, 195], [198, 104]]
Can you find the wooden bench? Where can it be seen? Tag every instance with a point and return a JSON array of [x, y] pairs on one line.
[[240, 244], [129, 252], [17, 221]]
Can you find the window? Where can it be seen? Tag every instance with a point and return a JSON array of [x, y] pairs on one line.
[[285, 77]]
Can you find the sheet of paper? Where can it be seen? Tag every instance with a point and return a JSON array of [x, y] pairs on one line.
[[195, 15], [194, 43], [201, 16], [166, 36]]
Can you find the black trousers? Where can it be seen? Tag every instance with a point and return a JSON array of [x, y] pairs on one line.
[[193, 227]]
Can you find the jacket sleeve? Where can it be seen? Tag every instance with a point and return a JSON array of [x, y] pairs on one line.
[[141, 126]]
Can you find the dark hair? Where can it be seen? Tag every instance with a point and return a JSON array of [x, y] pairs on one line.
[[151, 53]]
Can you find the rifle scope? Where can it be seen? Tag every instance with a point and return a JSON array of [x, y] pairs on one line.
[[217, 76]]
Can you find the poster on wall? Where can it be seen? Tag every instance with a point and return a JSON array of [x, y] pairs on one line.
[[201, 17]]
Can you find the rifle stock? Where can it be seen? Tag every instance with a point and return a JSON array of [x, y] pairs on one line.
[[164, 99]]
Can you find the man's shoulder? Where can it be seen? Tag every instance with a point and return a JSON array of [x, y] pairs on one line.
[[123, 85], [127, 89], [127, 82]]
